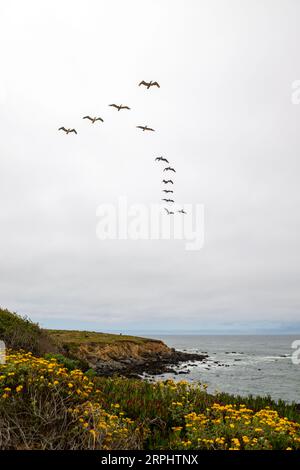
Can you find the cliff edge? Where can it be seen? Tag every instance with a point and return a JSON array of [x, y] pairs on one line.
[[110, 354]]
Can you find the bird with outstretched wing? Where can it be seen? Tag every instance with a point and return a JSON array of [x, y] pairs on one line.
[[167, 181], [145, 128], [94, 119], [168, 168], [67, 131], [161, 159], [149, 84], [118, 106]]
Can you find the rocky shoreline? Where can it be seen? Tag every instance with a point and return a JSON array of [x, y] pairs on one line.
[[130, 356], [150, 365]]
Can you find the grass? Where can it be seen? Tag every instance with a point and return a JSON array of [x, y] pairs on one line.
[[69, 341], [76, 337], [45, 405]]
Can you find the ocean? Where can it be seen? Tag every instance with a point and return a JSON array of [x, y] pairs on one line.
[[257, 365]]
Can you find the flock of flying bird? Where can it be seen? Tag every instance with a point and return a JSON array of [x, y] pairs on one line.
[[143, 128]]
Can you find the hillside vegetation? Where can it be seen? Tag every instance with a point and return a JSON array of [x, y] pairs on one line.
[[19, 332], [50, 401], [43, 405], [105, 353]]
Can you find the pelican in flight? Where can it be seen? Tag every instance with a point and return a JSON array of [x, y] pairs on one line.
[[161, 159], [149, 84], [168, 212], [182, 211], [93, 119], [168, 200], [167, 181], [168, 168], [145, 128], [67, 131], [119, 106], [168, 191]]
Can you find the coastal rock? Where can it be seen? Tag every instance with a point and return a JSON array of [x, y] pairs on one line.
[[131, 359]]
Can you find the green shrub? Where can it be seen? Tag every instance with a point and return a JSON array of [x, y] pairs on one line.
[[21, 333], [69, 364]]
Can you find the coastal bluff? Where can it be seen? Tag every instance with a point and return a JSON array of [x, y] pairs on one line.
[[110, 354]]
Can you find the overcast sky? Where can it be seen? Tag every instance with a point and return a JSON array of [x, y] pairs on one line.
[[223, 116]]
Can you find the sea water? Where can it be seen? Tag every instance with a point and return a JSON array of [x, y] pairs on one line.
[[257, 365]]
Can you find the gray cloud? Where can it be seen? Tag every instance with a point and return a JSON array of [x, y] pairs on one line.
[[223, 117]]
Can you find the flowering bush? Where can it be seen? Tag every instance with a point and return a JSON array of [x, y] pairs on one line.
[[44, 405], [234, 427]]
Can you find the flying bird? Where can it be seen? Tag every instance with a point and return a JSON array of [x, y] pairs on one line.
[[168, 200], [149, 84], [67, 131], [168, 168], [168, 191], [161, 159], [145, 128], [182, 211], [94, 119], [168, 212], [167, 181], [119, 106]]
